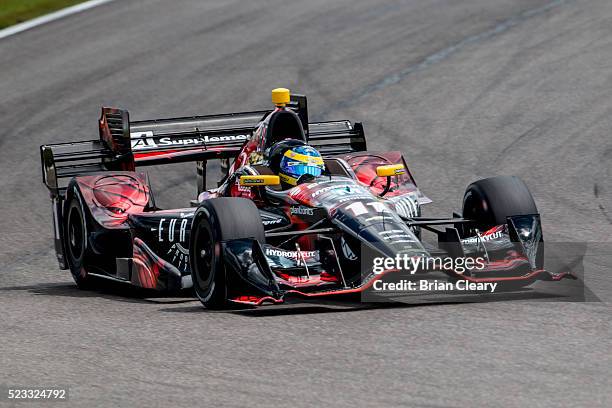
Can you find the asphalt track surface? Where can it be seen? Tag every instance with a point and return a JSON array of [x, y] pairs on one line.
[[466, 89]]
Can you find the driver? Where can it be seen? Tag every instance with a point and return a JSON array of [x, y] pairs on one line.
[[299, 163]]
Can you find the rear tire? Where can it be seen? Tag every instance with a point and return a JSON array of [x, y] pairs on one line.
[[216, 220], [75, 233]]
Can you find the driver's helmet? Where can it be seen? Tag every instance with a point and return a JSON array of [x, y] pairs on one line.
[[300, 163]]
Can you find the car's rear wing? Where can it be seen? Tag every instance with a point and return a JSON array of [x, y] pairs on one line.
[[337, 137], [125, 144]]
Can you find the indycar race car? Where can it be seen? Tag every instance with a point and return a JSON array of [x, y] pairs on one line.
[[255, 239]]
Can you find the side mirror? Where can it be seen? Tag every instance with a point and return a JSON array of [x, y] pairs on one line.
[[260, 180], [390, 170]]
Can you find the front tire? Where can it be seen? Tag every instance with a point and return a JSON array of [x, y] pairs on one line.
[[216, 220], [489, 201]]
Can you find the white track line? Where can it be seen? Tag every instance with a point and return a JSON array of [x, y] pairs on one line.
[[26, 25]]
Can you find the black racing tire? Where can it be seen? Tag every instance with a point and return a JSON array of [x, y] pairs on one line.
[[216, 220], [489, 201], [75, 240]]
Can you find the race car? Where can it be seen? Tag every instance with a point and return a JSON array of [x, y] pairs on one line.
[[264, 234]]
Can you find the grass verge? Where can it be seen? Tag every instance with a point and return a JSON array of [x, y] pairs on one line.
[[17, 11]]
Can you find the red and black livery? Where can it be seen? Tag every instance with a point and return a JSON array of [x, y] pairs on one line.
[[253, 244]]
